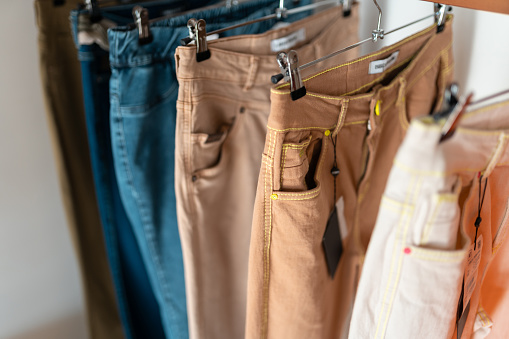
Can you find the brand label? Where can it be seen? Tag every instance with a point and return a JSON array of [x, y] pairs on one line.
[[473, 260], [379, 66], [288, 41]]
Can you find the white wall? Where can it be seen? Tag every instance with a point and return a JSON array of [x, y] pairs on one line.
[[40, 291]]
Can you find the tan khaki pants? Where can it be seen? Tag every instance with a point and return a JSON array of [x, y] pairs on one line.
[[366, 110], [61, 82], [222, 111]]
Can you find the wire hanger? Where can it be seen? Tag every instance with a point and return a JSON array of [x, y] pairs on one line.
[[291, 74], [198, 32]]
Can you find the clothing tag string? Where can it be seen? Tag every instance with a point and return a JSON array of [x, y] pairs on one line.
[[481, 202]]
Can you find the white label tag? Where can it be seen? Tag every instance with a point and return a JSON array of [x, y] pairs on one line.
[[288, 41], [379, 66], [473, 260]]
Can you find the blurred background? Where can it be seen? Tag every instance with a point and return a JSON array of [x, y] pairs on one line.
[[40, 287]]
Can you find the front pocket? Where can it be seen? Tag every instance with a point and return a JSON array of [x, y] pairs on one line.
[[208, 150], [424, 303], [300, 163]]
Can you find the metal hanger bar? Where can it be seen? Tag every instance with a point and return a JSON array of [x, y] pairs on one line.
[[493, 96], [312, 63], [275, 15]]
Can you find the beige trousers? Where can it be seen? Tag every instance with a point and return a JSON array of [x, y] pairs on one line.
[[222, 111]]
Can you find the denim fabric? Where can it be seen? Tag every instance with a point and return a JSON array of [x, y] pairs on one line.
[[138, 308], [143, 94]]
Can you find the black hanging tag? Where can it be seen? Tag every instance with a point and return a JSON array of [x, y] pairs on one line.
[[332, 243], [462, 314]]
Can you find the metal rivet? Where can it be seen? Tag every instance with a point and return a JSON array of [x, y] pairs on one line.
[[273, 196], [327, 133]]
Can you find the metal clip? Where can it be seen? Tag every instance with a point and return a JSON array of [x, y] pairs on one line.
[[440, 16], [140, 15], [454, 118], [231, 3], [347, 8], [296, 86], [200, 30], [93, 10], [281, 10], [282, 61]]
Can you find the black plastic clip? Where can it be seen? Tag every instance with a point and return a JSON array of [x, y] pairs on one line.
[[197, 33], [289, 66], [93, 10], [453, 112], [347, 8], [140, 15]]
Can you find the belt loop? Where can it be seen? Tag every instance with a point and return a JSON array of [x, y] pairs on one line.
[[497, 154], [251, 76], [401, 103], [342, 116]]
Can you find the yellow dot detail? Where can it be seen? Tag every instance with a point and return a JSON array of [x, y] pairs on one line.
[[377, 107], [327, 133], [273, 196]]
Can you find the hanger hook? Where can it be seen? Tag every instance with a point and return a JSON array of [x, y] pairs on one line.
[[378, 33]]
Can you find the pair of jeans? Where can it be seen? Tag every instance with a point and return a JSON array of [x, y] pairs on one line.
[[222, 111], [333, 147], [61, 82], [139, 310], [421, 252], [143, 93]]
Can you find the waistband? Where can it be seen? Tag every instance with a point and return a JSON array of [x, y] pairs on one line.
[[235, 58], [479, 144], [349, 84], [126, 52]]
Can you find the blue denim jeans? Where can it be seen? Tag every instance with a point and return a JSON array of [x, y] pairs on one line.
[[139, 310], [143, 94]]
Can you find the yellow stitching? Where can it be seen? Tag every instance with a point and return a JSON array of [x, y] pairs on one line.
[[391, 207], [484, 109], [430, 65], [393, 202], [500, 237], [380, 78], [402, 42], [342, 117], [400, 253], [444, 260], [283, 163], [299, 128], [440, 254], [298, 194], [479, 313], [266, 252], [355, 123], [488, 320], [306, 198], [433, 173], [427, 228], [398, 230]]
